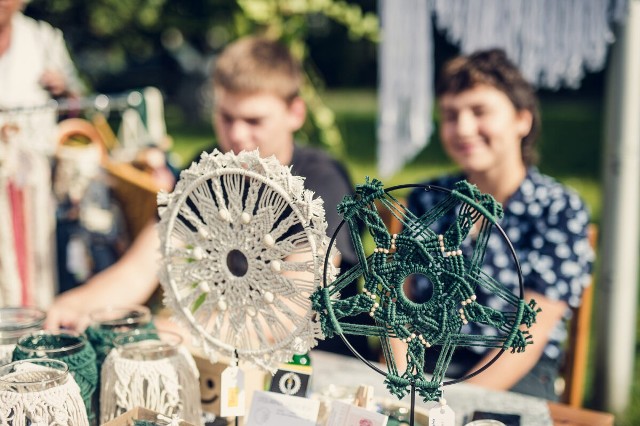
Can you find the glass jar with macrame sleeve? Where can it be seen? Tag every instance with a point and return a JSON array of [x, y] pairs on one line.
[[151, 369], [14, 323], [74, 350], [110, 322], [40, 392]]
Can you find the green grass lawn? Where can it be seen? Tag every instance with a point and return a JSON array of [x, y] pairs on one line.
[[570, 148], [569, 145]]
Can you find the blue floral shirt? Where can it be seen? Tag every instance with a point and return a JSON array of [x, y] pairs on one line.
[[547, 226]]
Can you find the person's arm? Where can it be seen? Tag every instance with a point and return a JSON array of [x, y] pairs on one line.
[[60, 77], [511, 367], [131, 280]]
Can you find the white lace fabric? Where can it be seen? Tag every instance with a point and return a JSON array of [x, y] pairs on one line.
[[255, 209]]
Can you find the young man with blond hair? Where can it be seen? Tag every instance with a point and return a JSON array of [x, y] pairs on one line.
[[257, 105]]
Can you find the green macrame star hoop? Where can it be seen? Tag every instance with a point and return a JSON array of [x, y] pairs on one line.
[[420, 250]]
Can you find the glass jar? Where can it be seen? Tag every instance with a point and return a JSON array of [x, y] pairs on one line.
[[40, 392], [15, 322], [71, 348], [150, 369], [106, 324]]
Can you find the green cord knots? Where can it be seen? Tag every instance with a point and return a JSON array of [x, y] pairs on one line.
[[417, 249]]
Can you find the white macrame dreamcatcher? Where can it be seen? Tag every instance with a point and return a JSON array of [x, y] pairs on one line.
[[243, 246]]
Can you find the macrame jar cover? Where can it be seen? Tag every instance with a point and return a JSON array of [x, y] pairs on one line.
[[71, 348], [150, 369], [40, 392], [419, 250], [14, 323], [109, 323], [243, 245]]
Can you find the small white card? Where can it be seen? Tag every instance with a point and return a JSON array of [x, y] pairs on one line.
[[343, 414], [442, 415], [232, 399], [275, 409]]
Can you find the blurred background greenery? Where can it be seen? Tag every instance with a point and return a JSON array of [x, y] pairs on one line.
[[122, 45]]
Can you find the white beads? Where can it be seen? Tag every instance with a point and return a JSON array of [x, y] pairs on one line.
[[198, 253], [465, 302], [420, 337], [276, 266], [203, 232], [245, 217], [447, 253], [251, 311], [222, 305], [203, 287], [224, 215], [387, 250], [424, 341], [269, 241], [375, 305], [268, 297]]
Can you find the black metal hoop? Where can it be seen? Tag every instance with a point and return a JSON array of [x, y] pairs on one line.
[[502, 233]]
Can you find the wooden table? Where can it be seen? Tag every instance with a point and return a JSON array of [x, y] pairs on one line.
[[570, 416], [463, 398]]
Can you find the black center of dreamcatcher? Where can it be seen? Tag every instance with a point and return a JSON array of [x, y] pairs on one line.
[[237, 263]]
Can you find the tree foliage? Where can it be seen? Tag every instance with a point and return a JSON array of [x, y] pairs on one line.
[[108, 36]]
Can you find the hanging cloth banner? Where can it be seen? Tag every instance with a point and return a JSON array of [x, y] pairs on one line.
[[554, 42], [406, 82]]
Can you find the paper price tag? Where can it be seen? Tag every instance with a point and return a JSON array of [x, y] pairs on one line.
[[276, 409], [343, 414], [442, 415], [232, 399]]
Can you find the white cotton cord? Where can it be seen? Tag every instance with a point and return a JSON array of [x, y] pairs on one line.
[[58, 405], [168, 386], [406, 82], [553, 42]]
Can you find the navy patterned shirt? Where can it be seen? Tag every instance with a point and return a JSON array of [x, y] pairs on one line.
[[547, 226]]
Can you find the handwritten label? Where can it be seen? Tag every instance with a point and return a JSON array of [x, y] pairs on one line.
[[232, 399], [442, 415], [276, 409]]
